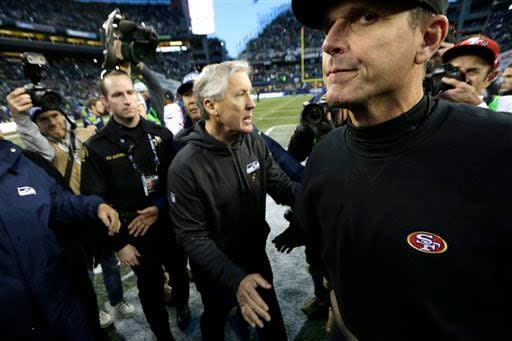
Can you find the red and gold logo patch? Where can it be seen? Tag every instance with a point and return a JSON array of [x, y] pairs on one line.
[[427, 242]]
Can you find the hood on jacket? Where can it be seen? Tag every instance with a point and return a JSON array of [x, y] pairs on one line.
[[199, 136]]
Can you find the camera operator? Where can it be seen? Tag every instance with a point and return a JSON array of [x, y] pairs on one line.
[[127, 43], [317, 119], [476, 58]]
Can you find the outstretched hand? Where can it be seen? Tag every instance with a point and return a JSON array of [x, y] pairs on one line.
[[291, 237], [252, 306], [141, 223]]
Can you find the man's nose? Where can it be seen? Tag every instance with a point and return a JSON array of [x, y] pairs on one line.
[[250, 103], [335, 41]]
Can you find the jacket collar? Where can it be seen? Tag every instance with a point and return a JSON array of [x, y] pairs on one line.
[[9, 155]]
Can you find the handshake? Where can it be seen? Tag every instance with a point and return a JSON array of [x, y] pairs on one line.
[[291, 237]]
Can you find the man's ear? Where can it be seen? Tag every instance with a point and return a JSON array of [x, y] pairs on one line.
[[103, 100], [209, 106], [434, 31]]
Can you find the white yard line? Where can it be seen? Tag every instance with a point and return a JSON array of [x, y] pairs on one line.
[[128, 275], [269, 130]]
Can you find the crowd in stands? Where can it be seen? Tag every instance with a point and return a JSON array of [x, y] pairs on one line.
[[499, 26], [89, 16], [275, 54], [77, 78]]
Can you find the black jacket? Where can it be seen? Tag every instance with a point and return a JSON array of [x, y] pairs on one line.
[[217, 196], [108, 172], [412, 217]]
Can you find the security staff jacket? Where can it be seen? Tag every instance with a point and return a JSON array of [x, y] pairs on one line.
[[413, 221], [217, 196], [108, 171]]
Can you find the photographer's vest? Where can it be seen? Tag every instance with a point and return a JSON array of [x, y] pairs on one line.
[[67, 158]]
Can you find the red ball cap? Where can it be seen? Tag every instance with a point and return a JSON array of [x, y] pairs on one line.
[[479, 45]]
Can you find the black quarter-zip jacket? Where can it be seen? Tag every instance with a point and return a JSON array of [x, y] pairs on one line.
[[217, 196], [413, 220]]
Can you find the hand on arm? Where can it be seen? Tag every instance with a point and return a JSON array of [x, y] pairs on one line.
[[252, 306], [110, 218], [140, 224], [128, 255]]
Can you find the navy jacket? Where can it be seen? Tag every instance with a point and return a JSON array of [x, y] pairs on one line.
[[38, 302]]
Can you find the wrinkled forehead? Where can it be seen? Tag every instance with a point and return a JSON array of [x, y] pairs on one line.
[[346, 9]]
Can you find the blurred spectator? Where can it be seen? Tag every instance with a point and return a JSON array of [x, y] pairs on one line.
[[93, 114], [506, 83]]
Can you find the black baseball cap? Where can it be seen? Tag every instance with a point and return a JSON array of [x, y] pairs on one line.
[[314, 13], [188, 83]]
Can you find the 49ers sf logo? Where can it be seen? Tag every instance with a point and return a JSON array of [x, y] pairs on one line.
[[427, 242]]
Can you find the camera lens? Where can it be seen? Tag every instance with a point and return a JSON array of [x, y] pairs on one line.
[[312, 113]]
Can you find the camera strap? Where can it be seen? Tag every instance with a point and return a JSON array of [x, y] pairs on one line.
[[71, 158]]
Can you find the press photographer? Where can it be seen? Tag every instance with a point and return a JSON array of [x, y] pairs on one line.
[[316, 120], [476, 58], [43, 125], [128, 43]]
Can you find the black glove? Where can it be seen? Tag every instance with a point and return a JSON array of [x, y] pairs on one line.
[[289, 238]]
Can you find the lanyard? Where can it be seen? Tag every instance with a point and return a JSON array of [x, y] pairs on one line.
[[130, 156]]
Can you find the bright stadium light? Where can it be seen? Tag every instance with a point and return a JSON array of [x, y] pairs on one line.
[[201, 16]]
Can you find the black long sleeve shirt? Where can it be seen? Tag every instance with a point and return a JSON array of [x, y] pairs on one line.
[[217, 198], [412, 218]]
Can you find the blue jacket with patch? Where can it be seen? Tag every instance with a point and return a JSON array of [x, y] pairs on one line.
[[37, 300]]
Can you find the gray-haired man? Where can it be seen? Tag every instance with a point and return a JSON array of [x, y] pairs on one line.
[[217, 190]]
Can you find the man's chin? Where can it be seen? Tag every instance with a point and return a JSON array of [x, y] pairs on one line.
[[57, 134], [339, 97]]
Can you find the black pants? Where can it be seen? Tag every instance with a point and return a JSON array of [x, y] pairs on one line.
[[158, 249], [316, 270], [218, 302], [75, 263]]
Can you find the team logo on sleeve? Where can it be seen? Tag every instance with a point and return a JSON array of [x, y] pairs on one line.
[[252, 167], [427, 242]]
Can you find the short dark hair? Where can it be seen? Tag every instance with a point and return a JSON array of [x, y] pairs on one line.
[[418, 15], [92, 102], [107, 74]]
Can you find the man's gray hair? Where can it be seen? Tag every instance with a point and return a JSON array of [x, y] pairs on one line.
[[213, 82]]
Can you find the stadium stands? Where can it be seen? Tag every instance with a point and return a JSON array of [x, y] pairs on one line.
[[89, 16]]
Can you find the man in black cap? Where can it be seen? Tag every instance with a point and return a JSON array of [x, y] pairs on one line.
[[407, 202], [46, 131]]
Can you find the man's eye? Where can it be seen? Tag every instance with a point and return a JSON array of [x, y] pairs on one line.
[[366, 18]]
